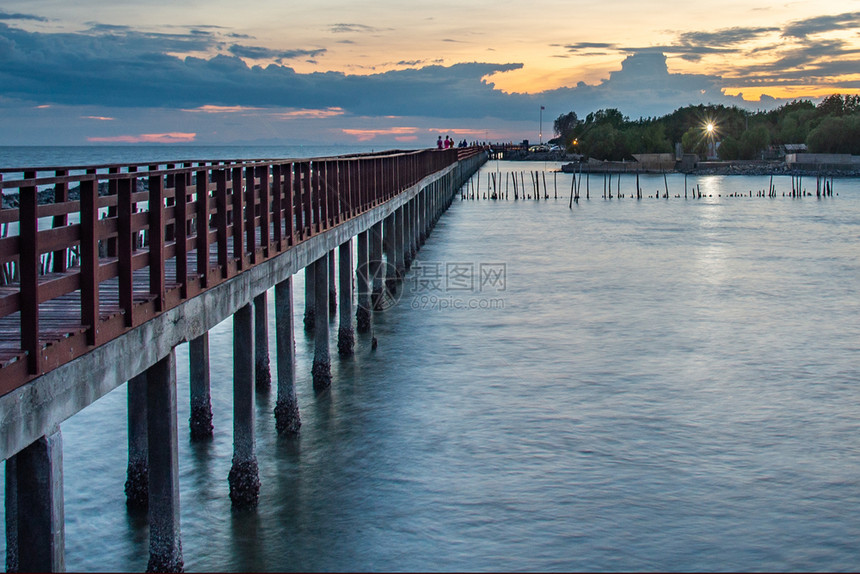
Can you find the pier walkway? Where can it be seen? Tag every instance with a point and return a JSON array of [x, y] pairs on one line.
[[99, 284]]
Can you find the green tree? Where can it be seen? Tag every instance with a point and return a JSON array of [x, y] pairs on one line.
[[753, 142], [730, 149], [836, 135], [694, 141], [648, 138], [604, 142], [565, 127]]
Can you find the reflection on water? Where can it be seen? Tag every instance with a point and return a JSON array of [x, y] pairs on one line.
[[670, 385]]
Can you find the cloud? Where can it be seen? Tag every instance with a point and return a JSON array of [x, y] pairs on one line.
[[8, 16], [169, 138], [351, 28], [587, 46], [822, 24], [125, 68], [363, 135], [305, 114], [260, 53], [106, 69], [210, 109], [642, 87], [724, 37], [100, 118]]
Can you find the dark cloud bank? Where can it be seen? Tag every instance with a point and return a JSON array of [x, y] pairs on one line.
[[121, 67]]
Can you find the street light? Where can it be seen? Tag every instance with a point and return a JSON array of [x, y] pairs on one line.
[[710, 132], [540, 133]]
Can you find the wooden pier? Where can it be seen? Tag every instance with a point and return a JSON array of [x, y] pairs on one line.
[[100, 285]]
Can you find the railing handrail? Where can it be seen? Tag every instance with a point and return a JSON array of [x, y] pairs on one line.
[[243, 212]]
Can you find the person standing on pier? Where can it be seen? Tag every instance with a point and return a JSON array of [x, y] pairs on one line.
[[439, 143]]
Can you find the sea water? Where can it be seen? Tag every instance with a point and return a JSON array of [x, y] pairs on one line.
[[655, 384]]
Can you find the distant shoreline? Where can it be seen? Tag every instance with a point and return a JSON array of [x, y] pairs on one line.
[[738, 167]]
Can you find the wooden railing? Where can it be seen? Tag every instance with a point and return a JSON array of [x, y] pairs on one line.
[[140, 239]]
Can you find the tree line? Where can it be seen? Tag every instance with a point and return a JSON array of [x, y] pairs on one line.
[[833, 126]]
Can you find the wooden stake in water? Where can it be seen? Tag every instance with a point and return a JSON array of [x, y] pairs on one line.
[[572, 187], [587, 180]]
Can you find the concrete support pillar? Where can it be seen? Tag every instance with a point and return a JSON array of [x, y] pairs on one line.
[[431, 207], [322, 360], [310, 305], [362, 283], [413, 227], [389, 243], [422, 216], [11, 499], [201, 401], [137, 474], [408, 252], [287, 419], [375, 265], [262, 374], [165, 545], [244, 476], [35, 533], [345, 332], [332, 285], [399, 243]]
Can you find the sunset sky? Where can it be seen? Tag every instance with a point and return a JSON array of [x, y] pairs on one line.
[[398, 73]]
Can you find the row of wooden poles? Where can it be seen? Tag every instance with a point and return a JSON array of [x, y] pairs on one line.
[[519, 189]]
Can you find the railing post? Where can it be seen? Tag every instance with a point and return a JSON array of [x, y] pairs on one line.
[[324, 182], [238, 218], [61, 195], [29, 261], [265, 211], [90, 260], [202, 213], [302, 197], [277, 207], [290, 203], [221, 220], [180, 224], [112, 210], [250, 213], [315, 196], [156, 240], [124, 247]]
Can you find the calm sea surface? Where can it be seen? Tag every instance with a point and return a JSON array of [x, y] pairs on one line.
[[663, 384]]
